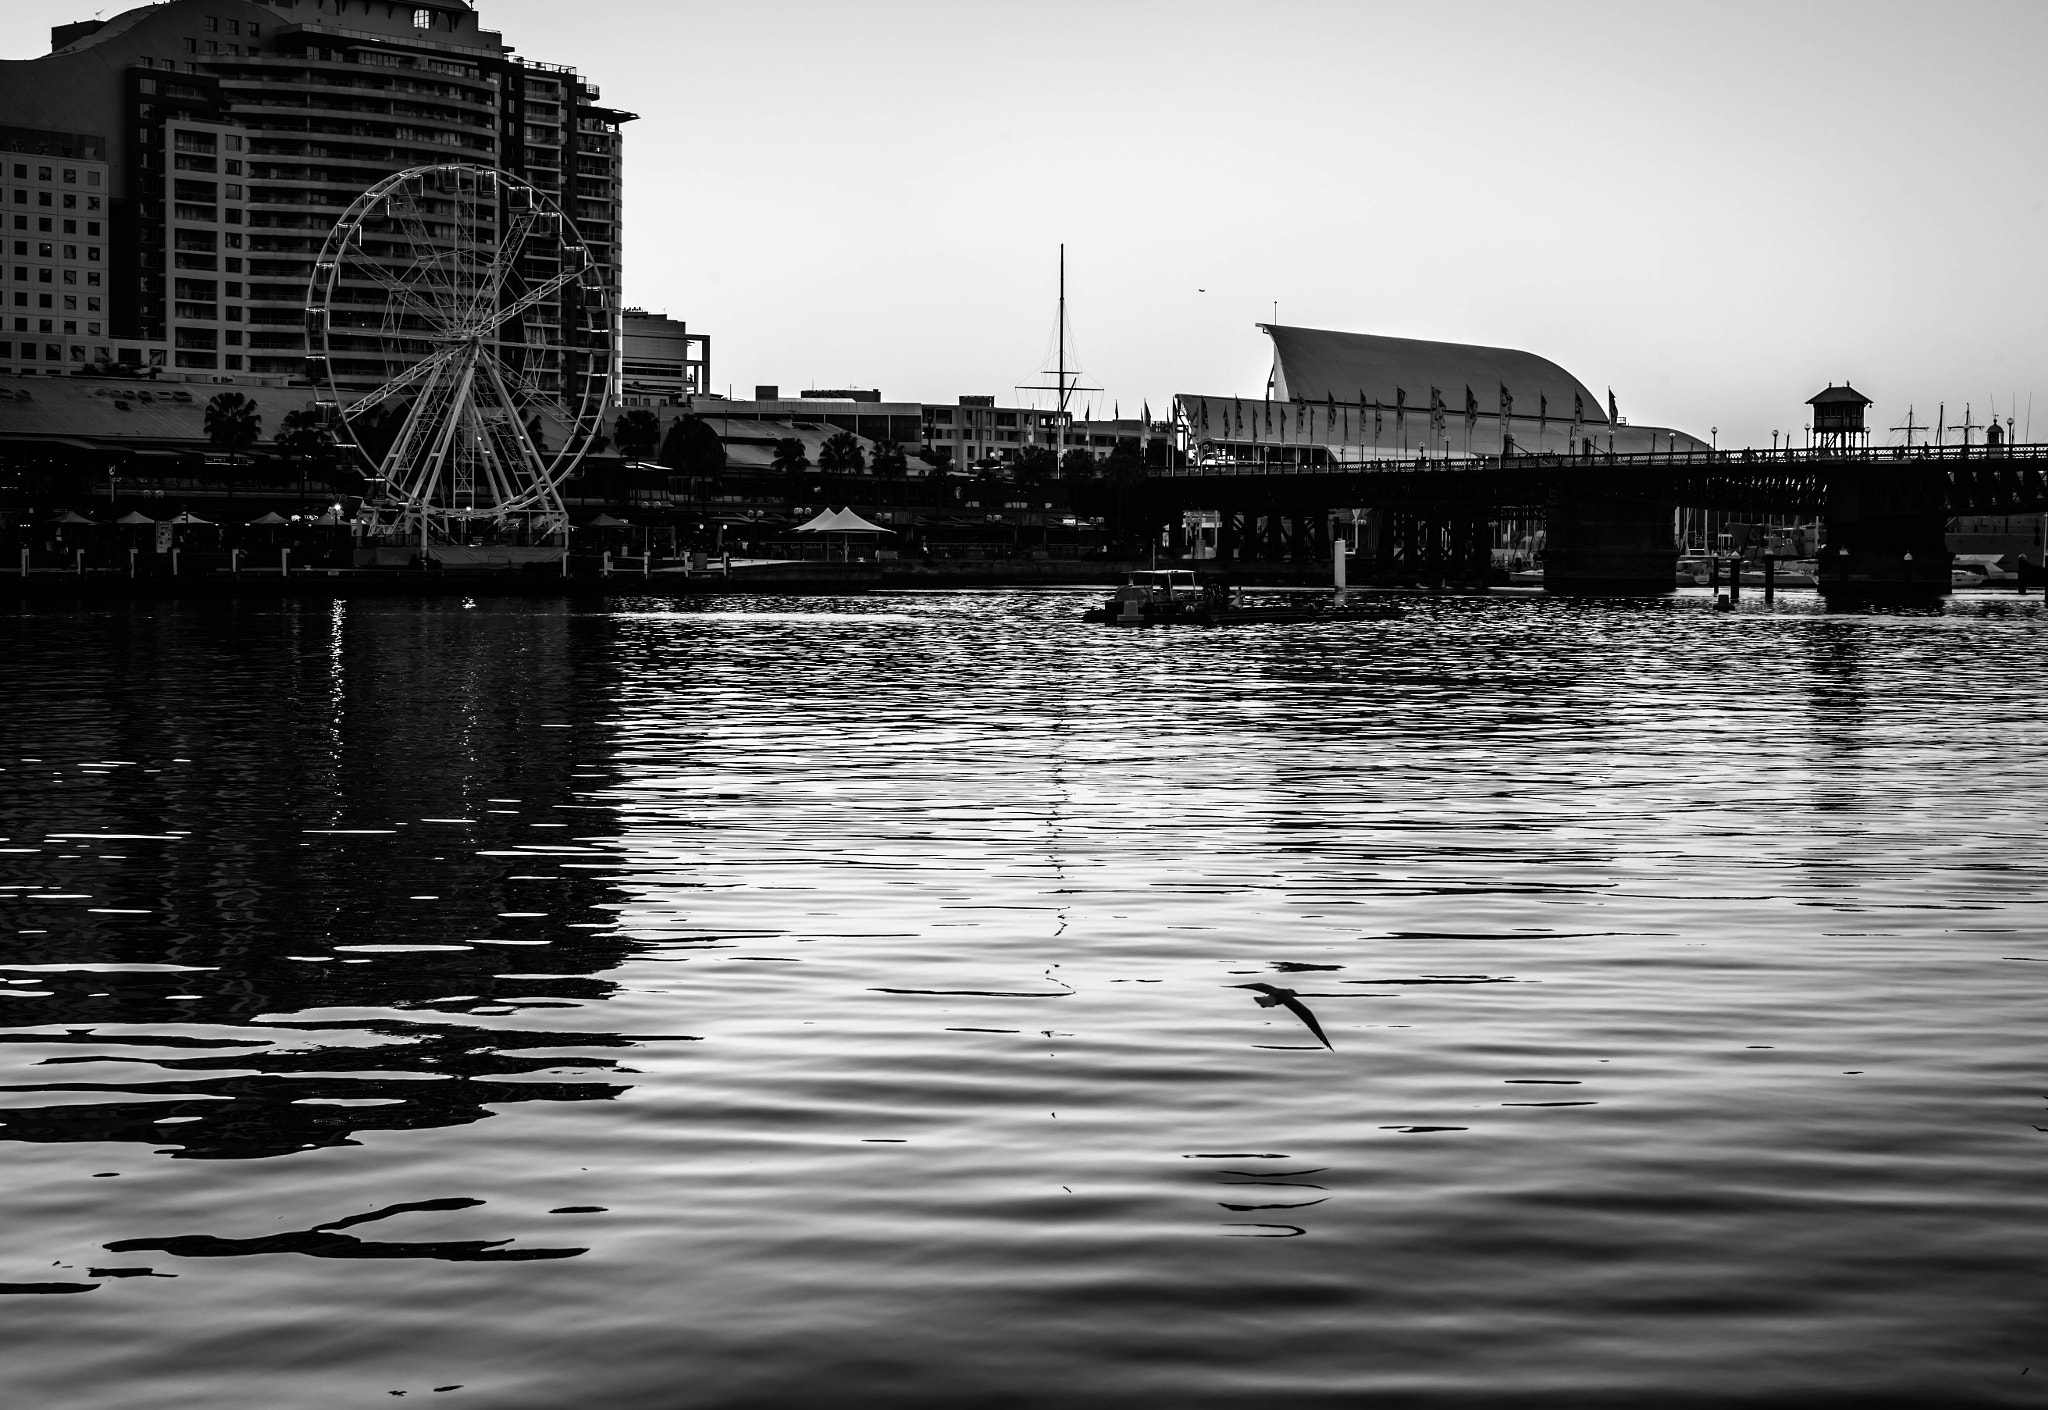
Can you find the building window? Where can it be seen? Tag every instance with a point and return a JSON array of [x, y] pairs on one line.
[[422, 18], [212, 25], [70, 176]]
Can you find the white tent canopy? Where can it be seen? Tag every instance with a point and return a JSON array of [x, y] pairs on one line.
[[273, 517], [135, 516], [841, 521]]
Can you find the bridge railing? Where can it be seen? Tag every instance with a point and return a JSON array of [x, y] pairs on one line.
[[1798, 457]]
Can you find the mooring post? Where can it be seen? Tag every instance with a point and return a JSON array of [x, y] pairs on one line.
[[1735, 580], [1770, 577], [131, 562], [1337, 562], [284, 563]]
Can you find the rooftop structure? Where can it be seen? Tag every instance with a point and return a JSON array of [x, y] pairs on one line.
[[1838, 417], [661, 360], [1351, 396]]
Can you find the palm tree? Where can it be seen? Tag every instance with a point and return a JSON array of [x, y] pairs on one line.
[[841, 455], [890, 460], [637, 433], [790, 457], [233, 423]]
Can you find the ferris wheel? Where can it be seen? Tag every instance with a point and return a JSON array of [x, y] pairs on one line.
[[460, 330]]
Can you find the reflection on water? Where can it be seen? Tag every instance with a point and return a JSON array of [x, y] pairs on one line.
[[926, 1000]]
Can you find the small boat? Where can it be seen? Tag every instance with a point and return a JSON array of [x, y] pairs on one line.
[[1164, 597]]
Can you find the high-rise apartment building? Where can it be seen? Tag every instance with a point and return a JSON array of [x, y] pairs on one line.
[[53, 251], [227, 136]]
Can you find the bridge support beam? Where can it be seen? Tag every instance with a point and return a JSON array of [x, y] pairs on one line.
[[1885, 532], [1619, 548]]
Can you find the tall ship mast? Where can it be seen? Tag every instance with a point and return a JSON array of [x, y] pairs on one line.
[[1065, 384]]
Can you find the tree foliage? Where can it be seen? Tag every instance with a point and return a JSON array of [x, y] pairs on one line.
[[692, 447], [841, 454], [232, 422], [789, 456], [890, 460], [1077, 464], [1125, 461], [1034, 465], [305, 434], [636, 433]]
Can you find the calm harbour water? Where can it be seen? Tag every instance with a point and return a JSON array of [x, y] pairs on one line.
[[831, 1002]]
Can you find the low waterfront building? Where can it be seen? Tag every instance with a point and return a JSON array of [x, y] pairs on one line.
[[864, 414], [1335, 396]]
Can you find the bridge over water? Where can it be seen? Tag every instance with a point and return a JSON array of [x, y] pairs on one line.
[[1608, 518]]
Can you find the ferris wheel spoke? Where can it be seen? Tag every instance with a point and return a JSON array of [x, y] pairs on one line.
[[529, 453], [537, 397], [499, 270], [399, 383], [406, 294], [532, 297], [411, 456]]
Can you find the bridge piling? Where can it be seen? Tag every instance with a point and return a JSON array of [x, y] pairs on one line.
[[1886, 536], [1609, 546]]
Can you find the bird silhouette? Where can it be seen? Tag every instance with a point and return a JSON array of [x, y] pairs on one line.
[[1271, 995]]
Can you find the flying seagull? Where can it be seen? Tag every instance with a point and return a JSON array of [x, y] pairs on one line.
[[1271, 995]]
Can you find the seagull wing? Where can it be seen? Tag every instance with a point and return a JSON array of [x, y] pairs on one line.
[[1300, 1011]]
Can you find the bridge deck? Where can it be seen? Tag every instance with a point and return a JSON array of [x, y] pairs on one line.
[[1951, 479]]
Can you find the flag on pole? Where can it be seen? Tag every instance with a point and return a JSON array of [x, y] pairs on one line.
[[1471, 409], [1613, 415], [1300, 410], [1239, 405], [1330, 405], [1507, 405], [1401, 409], [1578, 410], [1542, 412], [1269, 413], [1436, 412]]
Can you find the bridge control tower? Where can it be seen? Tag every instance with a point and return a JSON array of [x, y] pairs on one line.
[[1838, 419]]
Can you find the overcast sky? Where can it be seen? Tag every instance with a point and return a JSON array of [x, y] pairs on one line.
[[1714, 208]]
